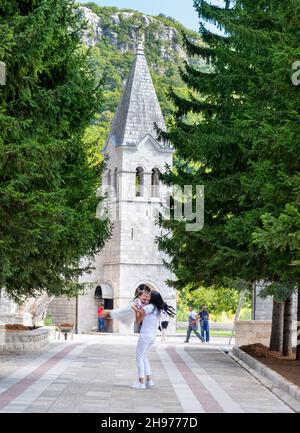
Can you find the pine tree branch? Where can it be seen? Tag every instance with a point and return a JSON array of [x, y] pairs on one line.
[[196, 50], [212, 39], [213, 14]]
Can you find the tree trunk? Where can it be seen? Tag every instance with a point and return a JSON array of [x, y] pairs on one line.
[[277, 327], [287, 327], [298, 328]]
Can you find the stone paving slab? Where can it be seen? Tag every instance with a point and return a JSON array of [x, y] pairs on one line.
[[94, 374], [288, 392]]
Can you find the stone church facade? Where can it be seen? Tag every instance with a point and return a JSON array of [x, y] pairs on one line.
[[131, 257]]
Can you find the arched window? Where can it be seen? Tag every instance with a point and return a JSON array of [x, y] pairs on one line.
[[116, 181], [155, 183], [139, 182], [109, 178], [98, 292]]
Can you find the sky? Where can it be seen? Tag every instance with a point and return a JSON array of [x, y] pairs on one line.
[[182, 10]]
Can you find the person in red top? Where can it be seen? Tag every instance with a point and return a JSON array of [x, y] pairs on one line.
[[101, 321]]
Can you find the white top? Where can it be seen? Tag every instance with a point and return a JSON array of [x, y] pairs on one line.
[[193, 315], [149, 325], [138, 303], [164, 317]]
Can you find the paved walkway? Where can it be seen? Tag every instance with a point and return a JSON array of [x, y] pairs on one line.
[[93, 374]]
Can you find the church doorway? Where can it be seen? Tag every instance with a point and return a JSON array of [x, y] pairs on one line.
[[108, 305]]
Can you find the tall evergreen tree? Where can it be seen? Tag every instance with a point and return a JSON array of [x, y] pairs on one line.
[[282, 235], [243, 148], [47, 184]]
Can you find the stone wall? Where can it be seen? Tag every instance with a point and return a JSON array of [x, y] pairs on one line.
[[63, 310], [262, 308], [252, 331], [87, 312], [256, 331], [20, 341]]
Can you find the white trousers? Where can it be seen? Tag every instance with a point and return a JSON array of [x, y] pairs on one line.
[[144, 345]]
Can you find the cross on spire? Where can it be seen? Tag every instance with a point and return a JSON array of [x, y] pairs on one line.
[[140, 42]]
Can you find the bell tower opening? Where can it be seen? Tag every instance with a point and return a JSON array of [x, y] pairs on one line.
[[139, 182]]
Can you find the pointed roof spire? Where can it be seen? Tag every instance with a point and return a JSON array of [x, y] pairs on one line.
[[139, 107]]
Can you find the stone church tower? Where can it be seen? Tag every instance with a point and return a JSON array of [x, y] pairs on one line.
[[135, 158]]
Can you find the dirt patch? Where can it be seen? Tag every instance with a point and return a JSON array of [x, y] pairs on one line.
[[287, 366], [16, 327], [260, 351]]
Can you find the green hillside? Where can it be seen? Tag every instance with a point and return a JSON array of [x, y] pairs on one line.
[[113, 53]]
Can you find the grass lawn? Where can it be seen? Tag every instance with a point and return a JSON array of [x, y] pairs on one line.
[[212, 332]]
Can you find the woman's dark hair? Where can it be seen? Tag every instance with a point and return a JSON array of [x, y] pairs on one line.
[[158, 302]]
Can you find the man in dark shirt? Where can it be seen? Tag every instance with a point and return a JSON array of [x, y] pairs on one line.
[[204, 321]]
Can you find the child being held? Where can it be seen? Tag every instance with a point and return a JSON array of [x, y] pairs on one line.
[[126, 315], [141, 298]]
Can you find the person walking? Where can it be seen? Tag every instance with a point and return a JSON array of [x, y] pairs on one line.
[[149, 315], [164, 322], [192, 325], [101, 320], [204, 320]]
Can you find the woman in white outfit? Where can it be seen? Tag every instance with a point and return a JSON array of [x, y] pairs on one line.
[[149, 315]]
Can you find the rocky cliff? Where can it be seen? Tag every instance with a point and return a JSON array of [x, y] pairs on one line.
[[120, 30], [111, 35]]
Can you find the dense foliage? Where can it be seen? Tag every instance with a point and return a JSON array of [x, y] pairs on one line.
[[244, 148], [219, 301], [47, 186]]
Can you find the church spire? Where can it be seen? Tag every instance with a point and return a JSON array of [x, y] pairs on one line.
[[139, 107]]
